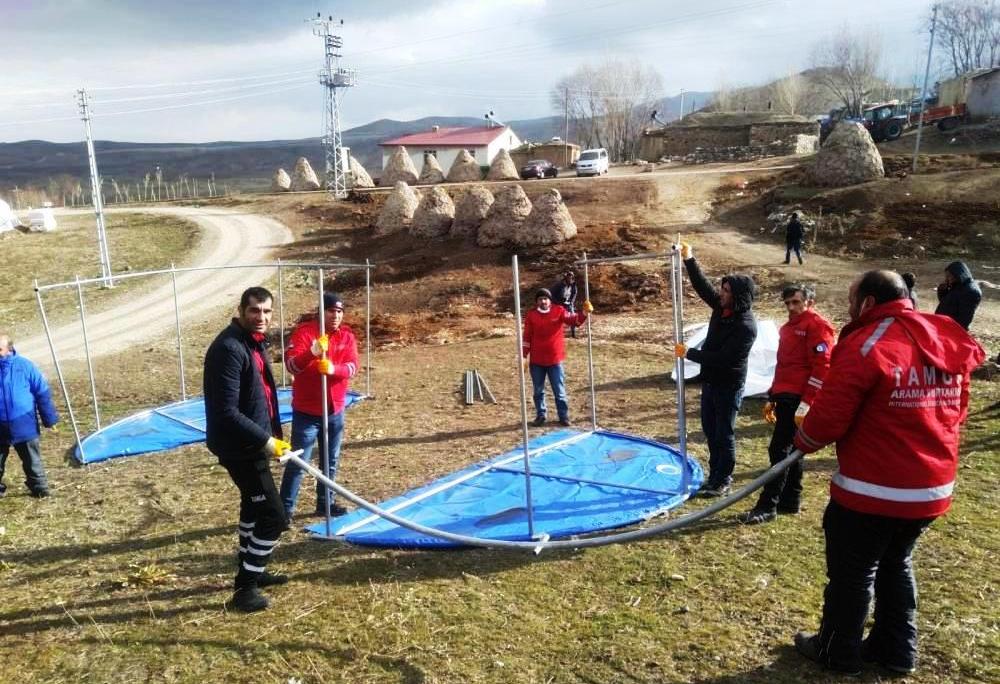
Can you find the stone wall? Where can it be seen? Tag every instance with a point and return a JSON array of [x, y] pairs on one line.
[[755, 137], [765, 134]]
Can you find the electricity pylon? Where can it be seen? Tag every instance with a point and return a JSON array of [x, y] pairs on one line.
[[334, 78]]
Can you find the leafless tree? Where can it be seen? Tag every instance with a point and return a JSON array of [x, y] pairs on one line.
[[969, 32], [609, 104], [789, 93], [847, 66]]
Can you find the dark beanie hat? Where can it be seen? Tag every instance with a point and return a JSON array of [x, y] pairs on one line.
[[543, 292], [331, 300]]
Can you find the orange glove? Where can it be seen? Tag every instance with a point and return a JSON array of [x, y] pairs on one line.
[[588, 308], [276, 447], [800, 413], [769, 413], [324, 366], [686, 251], [680, 350], [320, 345]]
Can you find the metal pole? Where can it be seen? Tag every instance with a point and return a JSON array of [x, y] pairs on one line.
[[281, 324], [590, 346], [923, 92], [177, 325], [86, 351], [59, 374], [325, 441], [524, 399], [368, 328], [96, 199], [677, 293]]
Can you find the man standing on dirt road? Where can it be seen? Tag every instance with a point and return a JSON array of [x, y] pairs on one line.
[[959, 295], [732, 330], [243, 429], [893, 401], [804, 346], [793, 239], [24, 396], [544, 344]]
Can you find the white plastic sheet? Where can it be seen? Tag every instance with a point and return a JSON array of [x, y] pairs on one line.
[[762, 361]]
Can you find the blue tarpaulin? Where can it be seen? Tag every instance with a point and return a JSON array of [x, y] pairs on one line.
[[582, 482]]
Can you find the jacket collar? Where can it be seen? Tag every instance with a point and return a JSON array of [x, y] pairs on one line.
[[878, 312]]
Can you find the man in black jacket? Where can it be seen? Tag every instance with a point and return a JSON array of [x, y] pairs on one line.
[[564, 294], [959, 295], [793, 239], [732, 330], [243, 429]]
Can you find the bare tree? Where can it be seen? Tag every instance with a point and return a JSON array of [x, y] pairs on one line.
[[847, 66], [969, 32], [789, 94]]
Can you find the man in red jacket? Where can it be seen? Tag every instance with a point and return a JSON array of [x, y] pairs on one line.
[[308, 357], [543, 341], [893, 401], [804, 347]]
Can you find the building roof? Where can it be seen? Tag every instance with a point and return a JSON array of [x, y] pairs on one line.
[[455, 136], [979, 73]]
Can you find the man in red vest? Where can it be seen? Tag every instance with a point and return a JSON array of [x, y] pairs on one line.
[[893, 401]]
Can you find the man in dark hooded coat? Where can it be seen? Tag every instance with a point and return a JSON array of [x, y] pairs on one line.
[[732, 330], [959, 295]]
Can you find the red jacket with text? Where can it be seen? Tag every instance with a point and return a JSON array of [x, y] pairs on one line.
[[543, 334], [307, 390], [804, 347], [893, 401]]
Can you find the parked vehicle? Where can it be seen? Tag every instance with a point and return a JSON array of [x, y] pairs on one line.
[[885, 121], [539, 168], [593, 162]]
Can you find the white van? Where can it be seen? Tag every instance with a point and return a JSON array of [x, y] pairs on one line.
[[592, 162]]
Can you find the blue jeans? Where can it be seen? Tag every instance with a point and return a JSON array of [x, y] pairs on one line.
[[31, 463], [557, 379], [719, 406], [306, 430]]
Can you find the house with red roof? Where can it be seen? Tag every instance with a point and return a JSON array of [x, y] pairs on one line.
[[482, 142]]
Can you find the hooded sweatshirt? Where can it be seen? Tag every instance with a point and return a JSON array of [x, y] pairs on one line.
[[960, 300], [731, 332], [893, 401]]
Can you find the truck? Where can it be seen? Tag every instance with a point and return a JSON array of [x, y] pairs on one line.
[[947, 108]]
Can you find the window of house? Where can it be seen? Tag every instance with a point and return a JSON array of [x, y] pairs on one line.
[[433, 153]]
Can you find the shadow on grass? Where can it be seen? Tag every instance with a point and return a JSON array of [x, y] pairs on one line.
[[787, 666]]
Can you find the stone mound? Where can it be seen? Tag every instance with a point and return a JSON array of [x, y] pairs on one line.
[[848, 157], [502, 223], [303, 177], [548, 223], [359, 178], [398, 210], [502, 168], [471, 210], [281, 182], [399, 168], [432, 172], [434, 215], [464, 169]]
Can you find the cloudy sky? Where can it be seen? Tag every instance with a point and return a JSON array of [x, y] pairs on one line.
[[197, 71]]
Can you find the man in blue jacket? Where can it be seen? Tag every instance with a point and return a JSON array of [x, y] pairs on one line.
[[24, 395]]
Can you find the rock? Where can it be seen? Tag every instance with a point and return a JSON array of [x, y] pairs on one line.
[[398, 210], [432, 172], [398, 168], [359, 178], [848, 157], [464, 169], [471, 210], [509, 210], [548, 223], [434, 214], [281, 181], [304, 178], [502, 168]]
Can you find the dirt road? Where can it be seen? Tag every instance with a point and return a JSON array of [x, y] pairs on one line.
[[229, 237]]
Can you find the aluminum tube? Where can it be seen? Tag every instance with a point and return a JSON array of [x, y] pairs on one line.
[[590, 346], [325, 441], [614, 260], [86, 351], [682, 383], [281, 324], [59, 373], [180, 341], [524, 399], [368, 328], [537, 547]]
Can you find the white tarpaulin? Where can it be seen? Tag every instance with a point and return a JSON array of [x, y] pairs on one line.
[[8, 220], [41, 220], [763, 356]]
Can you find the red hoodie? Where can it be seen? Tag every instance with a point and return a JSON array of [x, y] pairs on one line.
[[893, 401], [543, 334], [307, 386]]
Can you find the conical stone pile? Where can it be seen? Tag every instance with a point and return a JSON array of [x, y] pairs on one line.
[[434, 214], [432, 172], [281, 182], [502, 224], [548, 223], [464, 169], [359, 177], [847, 157], [472, 208], [399, 168], [398, 210], [303, 177], [502, 168]]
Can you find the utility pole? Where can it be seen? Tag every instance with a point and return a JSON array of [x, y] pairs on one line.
[[682, 105], [95, 191], [923, 93], [333, 77]]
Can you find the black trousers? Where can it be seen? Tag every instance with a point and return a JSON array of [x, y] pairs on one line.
[[869, 555], [262, 517], [796, 247], [719, 406], [785, 491]]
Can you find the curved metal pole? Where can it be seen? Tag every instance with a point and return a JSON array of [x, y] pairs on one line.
[[86, 351], [590, 347], [368, 328], [524, 399], [325, 441], [59, 373], [177, 324], [281, 324]]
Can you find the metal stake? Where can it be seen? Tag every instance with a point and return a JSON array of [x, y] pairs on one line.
[[677, 294], [590, 346], [281, 324], [177, 324], [524, 399], [325, 441], [59, 373], [86, 351], [368, 328]]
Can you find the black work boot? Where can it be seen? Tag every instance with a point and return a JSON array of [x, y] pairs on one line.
[[538, 422], [756, 516], [248, 599], [808, 645], [268, 579]]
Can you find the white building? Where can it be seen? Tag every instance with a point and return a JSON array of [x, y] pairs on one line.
[[482, 142]]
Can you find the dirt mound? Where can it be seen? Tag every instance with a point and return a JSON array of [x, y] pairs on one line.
[[464, 169], [398, 210], [471, 210], [359, 178], [304, 178], [398, 168], [502, 168], [502, 223], [548, 223], [281, 181], [432, 172], [434, 214], [848, 157]]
